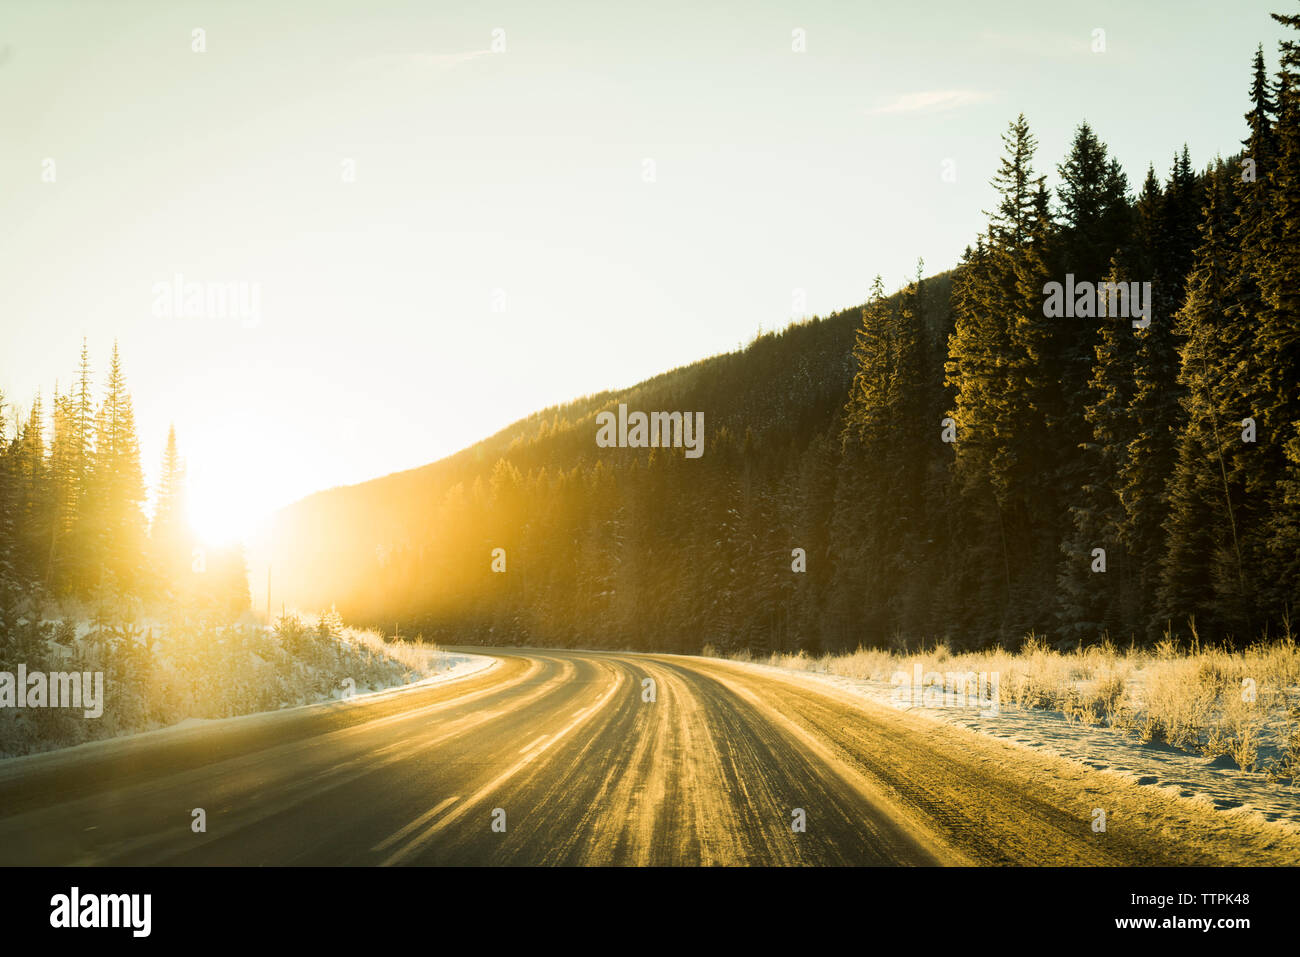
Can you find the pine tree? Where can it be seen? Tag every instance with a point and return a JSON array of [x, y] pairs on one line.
[[918, 461], [83, 561], [169, 532], [1084, 388], [33, 511], [1162, 248], [993, 351], [8, 529], [1204, 572], [976, 374], [1278, 276], [117, 486], [882, 430], [62, 478]]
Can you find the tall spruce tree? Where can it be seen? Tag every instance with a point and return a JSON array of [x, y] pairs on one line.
[[1278, 276], [169, 533], [1164, 242], [117, 489], [1203, 572], [991, 358]]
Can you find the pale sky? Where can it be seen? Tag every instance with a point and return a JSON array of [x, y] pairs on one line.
[[524, 170]]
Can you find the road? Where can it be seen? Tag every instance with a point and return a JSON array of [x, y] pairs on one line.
[[556, 758]]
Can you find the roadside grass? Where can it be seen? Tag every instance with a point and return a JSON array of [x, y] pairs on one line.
[[159, 674], [1239, 705]]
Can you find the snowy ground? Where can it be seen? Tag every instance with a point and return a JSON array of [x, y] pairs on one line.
[[1214, 783], [153, 676], [446, 667], [443, 666]]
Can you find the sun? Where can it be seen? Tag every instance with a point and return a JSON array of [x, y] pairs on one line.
[[226, 506]]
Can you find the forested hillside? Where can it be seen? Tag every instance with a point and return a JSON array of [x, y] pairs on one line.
[[602, 544], [954, 461]]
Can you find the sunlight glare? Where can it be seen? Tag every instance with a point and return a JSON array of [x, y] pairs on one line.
[[226, 506]]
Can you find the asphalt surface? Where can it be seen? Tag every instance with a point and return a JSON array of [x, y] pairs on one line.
[[548, 758]]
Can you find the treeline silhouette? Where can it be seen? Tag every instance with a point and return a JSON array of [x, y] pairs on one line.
[[72, 521], [1106, 479]]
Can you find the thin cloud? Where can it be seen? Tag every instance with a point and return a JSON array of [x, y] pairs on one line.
[[933, 101]]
